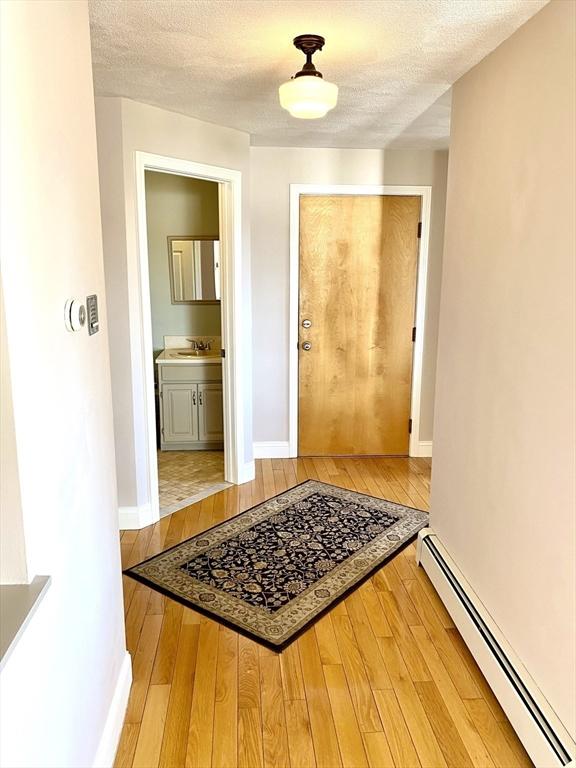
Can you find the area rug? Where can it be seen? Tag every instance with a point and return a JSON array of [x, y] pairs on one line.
[[274, 569]]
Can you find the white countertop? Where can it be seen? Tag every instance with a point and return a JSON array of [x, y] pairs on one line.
[[172, 357]]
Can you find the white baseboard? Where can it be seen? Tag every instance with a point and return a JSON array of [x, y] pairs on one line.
[[108, 744], [275, 449], [538, 727], [134, 518], [422, 449]]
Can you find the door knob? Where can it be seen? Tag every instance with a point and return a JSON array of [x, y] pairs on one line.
[[306, 346], [306, 323]]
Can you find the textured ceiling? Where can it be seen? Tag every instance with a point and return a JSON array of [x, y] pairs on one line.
[[223, 60]]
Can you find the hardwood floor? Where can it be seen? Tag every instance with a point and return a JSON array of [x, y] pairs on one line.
[[383, 680]]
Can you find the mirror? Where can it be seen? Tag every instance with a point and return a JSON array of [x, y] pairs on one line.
[[194, 264]]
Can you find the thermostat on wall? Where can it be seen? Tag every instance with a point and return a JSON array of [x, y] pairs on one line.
[[74, 315], [92, 309]]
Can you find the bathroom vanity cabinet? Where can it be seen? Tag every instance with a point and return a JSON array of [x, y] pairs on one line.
[[191, 411]]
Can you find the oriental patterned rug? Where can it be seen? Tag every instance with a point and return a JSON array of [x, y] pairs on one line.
[[272, 570]]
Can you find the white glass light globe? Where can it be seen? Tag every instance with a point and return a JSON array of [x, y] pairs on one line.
[[308, 97]]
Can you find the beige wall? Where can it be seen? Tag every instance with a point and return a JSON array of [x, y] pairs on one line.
[[178, 205], [503, 482], [273, 169], [123, 128], [13, 565], [59, 682]]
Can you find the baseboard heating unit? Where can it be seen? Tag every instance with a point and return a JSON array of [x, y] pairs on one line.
[[539, 729]]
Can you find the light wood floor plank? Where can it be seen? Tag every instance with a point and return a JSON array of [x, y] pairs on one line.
[[291, 670], [127, 745], [454, 704], [374, 611], [156, 604], [201, 728], [429, 752], [250, 747], [492, 734], [321, 721], [142, 667], [396, 730], [175, 740], [461, 677], [378, 751], [390, 576], [414, 660], [274, 735], [299, 734], [326, 639], [248, 674], [444, 729], [358, 682], [367, 643], [479, 678], [135, 618], [347, 731], [225, 742], [147, 753], [249, 738], [432, 595], [168, 644]]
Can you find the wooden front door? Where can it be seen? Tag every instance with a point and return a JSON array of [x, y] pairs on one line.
[[358, 265]]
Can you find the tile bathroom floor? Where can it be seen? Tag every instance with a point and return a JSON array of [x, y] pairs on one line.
[[185, 477]]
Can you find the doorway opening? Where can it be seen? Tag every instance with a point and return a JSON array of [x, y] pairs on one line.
[[357, 339], [189, 287], [182, 222]]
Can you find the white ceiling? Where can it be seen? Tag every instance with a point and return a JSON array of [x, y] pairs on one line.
[[223, 60]]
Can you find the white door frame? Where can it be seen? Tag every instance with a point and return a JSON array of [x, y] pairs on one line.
[[230, 191], [296, 190]]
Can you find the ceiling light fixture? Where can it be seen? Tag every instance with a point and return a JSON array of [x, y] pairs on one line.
[[307, 95]]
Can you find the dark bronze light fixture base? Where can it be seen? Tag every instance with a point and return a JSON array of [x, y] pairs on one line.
[[309, 44]]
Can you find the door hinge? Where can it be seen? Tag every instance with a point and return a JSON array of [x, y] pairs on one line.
[[222, 353], [414, 333], [419, 230], [409, 426]]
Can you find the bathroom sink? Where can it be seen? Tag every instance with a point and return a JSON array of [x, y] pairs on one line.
[[189, 356], [197, 353]]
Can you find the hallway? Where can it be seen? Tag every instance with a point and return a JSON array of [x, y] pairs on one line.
[[383, 680]]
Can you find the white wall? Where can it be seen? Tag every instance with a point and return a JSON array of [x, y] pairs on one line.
[[178, 205], [58, 684], [273, 169], [125, 127], [503, 480]]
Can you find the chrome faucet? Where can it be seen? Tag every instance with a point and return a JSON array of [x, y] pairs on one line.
[[201, 346]]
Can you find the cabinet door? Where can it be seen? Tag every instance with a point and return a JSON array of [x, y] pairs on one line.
[[210, 412], [180, 412]]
